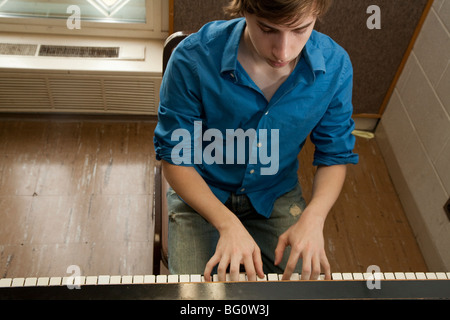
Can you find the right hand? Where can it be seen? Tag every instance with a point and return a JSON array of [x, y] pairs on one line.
[[235, 248]]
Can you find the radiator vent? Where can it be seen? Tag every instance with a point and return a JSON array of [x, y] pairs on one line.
[[80, 52], [18, 49], [68, 93]]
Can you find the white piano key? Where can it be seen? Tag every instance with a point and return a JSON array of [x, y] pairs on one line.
[[55, 281], [18, 282], [441, 275], [172, 278], [150, 278], [448, 275], [5, 282], [161, 278], [115, 280], [399, 276], [91, 280], [294, 277], [185, 278], [347, 276], [242, 277], [410, 276], [262, 279], [336, 276], [196, 278], [431, 275], [272, 277], [66, 281], [43, 281], [30, 282], [358, 276], [103, 279], [389, 276], [79, 280], [128, 279], [138, 279], [215, 278], [421, 276]]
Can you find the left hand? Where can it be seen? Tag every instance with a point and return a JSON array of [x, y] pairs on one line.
[[307, 242]]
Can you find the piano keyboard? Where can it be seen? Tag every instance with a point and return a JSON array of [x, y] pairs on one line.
[[159, 279], [393, 285]]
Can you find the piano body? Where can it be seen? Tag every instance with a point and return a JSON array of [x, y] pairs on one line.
[[384, 286]]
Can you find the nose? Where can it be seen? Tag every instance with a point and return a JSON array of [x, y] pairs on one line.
[[281, 47]]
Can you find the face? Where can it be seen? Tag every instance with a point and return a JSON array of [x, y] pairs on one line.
[[278, 45]]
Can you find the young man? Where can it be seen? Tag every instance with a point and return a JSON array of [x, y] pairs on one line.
[[238, 100]]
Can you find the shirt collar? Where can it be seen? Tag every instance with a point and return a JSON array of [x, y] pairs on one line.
[[312, 53], [229, 58]]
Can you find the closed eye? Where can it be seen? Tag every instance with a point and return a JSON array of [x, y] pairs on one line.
[[266, 30], [300, 31]]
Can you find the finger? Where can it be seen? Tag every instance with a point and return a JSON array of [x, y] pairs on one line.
[[279, 250], [209, 267], [254, 266], [306, 267], [257, 260], [250, 268], [234, 268], [315, 267], [291, 264], [222, 268], [326, 267]]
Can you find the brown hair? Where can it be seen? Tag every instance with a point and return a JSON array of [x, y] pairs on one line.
[[278, 11]]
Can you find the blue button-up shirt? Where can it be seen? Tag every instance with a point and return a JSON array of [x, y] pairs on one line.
[[213, 117]]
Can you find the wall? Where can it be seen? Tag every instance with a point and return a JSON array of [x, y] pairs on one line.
[[376, 54], [414, 135]]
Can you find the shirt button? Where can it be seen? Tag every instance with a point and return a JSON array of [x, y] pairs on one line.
[[252, 171], [243, 189], [266, 113], [259, 145], [232, 75]]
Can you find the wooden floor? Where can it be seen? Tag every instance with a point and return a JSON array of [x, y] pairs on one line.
[[80, 192]]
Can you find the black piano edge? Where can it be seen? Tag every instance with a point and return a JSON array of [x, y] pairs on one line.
[[278, 290]]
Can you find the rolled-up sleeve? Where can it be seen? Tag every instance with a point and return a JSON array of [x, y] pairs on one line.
[[179, 108], [332, 136]]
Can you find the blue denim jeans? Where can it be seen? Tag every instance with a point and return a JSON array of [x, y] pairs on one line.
[[193, 240]]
